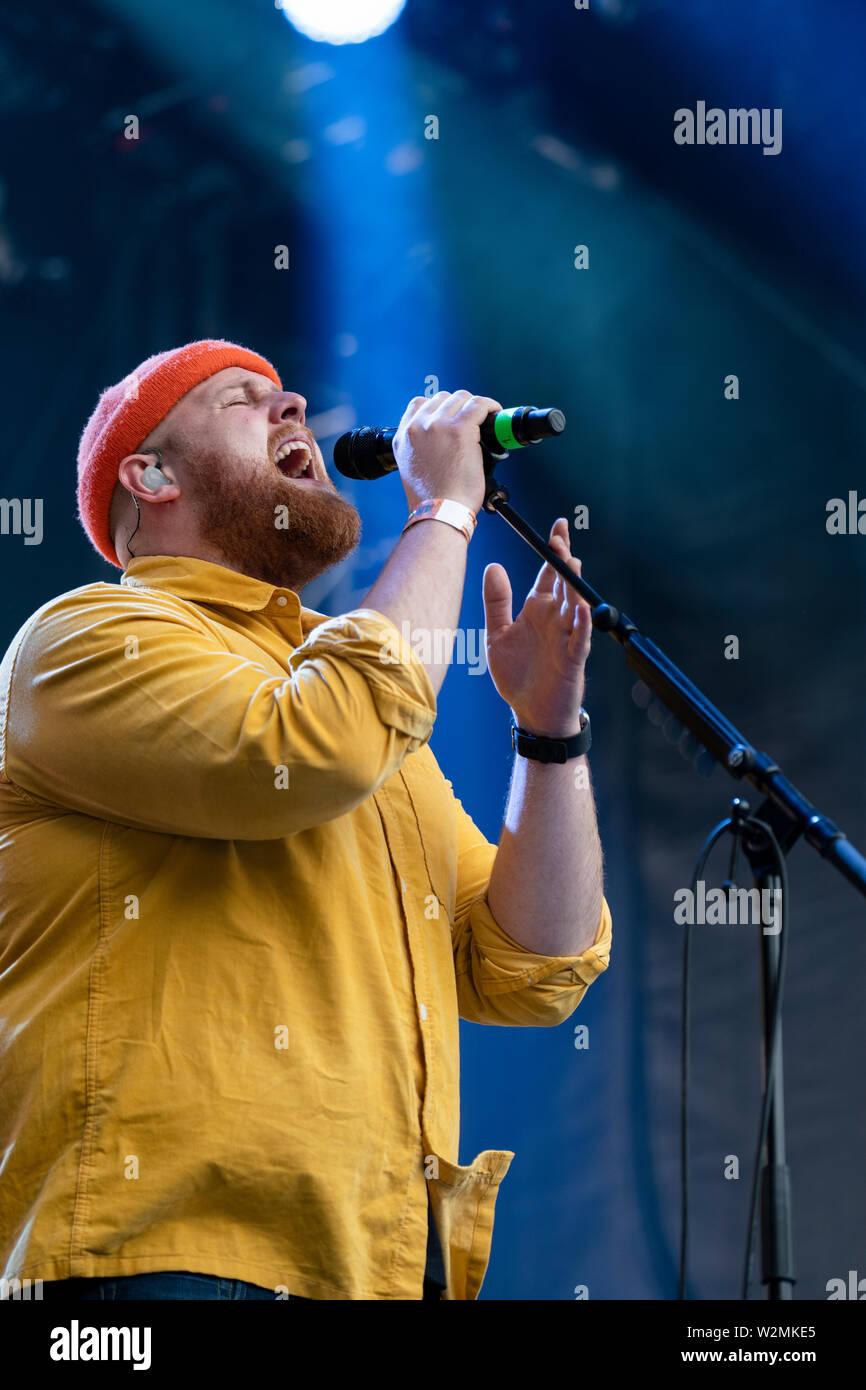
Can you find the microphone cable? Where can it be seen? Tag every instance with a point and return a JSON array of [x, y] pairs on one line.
[[737, 824]]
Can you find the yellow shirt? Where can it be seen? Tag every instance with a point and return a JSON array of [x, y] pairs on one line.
[[241, 910]]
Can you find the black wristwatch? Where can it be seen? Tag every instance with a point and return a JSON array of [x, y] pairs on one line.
[[552, 750]]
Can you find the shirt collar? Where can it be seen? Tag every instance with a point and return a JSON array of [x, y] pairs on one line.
[[201, 581]]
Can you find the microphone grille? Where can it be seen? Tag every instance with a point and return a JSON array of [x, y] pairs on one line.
[[362, 454], [351, 450]]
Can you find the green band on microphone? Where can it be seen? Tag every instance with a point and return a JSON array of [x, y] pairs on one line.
[[503, 430]]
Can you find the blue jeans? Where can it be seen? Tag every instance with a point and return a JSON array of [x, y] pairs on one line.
[[175, 1284], [172, 1284]]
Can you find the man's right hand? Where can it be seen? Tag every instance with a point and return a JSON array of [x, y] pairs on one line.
[[438, 447]]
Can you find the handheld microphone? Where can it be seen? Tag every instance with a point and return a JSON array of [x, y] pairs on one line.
[[367, 453]]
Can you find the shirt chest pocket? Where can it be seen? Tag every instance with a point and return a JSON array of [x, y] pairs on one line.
[[432, 820]]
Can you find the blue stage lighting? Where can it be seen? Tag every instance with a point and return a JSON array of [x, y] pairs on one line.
[[341, 21]]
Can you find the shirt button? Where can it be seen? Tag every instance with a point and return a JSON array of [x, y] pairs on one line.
[[423, 1011], [282, 600], [403, 884]]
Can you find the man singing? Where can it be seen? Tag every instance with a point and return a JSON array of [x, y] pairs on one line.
[[241, 909]]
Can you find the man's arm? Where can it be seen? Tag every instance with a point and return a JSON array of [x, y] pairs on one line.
[[546, 884], [421, 584], [499, 980], [437, 447], [129, 708]]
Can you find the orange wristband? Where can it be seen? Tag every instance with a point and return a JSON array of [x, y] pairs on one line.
[[454, 514]]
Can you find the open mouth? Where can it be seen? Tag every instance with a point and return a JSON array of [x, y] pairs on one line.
[[295, 460]]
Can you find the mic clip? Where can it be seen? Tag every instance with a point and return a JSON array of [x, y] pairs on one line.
[[494, 492]]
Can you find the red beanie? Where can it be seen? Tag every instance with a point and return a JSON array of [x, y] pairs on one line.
[[126, 413]]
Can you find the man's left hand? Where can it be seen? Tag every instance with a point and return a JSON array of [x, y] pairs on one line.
[[537, 660]]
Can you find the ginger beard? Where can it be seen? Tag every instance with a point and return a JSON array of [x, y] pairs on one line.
[[268, 526]]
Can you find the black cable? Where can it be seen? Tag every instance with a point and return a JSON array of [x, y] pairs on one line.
[[135, 499], [709, 844], [737, 825], [782, 868], [137, 524]]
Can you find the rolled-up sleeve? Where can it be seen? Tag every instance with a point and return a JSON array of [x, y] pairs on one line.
[[133, 710], [498, 980]]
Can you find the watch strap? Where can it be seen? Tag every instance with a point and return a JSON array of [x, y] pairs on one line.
[[552, 750]]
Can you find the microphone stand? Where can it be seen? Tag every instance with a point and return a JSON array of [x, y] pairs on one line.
[[784, 809]]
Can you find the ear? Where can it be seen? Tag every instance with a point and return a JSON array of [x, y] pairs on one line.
[[129, 474]]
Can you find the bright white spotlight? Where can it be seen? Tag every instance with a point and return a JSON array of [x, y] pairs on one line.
[[341, 21]]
